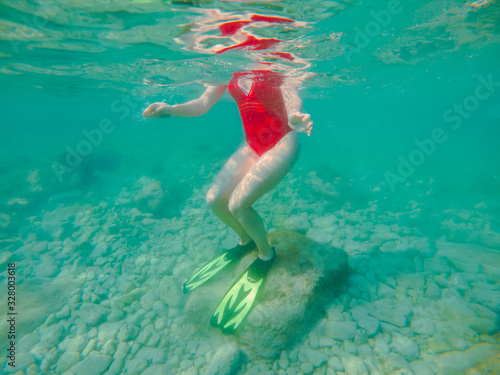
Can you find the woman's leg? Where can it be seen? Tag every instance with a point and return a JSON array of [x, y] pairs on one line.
[[260, 178], [226, 180]]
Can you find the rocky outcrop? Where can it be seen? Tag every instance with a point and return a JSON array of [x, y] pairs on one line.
[[305, 277]]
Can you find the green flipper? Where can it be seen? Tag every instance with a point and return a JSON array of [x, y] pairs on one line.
[[212, 268], [239, 299]]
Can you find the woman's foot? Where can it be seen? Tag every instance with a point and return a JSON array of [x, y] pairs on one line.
[[239, 299], [267, 255]]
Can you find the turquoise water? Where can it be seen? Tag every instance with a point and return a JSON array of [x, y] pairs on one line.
[[99, 206]]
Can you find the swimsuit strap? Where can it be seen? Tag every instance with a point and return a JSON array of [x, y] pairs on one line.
[[233, 84], [234, 88], [262, 82]]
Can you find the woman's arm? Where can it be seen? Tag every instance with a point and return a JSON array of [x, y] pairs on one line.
[[298, 120], [193, 108]]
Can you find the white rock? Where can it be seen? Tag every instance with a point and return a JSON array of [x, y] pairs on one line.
[[115, 316], [482, 311], [142, 260], [160, 369], [351, 232], [225, 361], [455, 309], [77, 344], [170, 292], [467, 257], [127, 332], [297, 224], [49, 359], [385, 290], [166, 266], [92, 314], [381, 345], [361, 337], [335, 314], [5, 256], [135, 366], [395, 362], [423, 245], [404, 346], [335, 364], [46, 269], [52, 334], [432, 291], [152, 355], [149, 299], [27, 342], [370, 325], [436, 265], [90, 346], [100, 250], [459, 361], [319, 235], [64, 313], [116, 367], [148, 336], [316, 357], [122, 350], [67, 360], [390, 311], [324, 221], [192, 347], [350, 348], [124, 285], [94, 364], [23, 361], [200, 362], [313, 340], [108, 331], [109, 348], [354, 366], [438, 344], [293, 356], [40, 247], [307, 368], [161, 324], [160, 309], [423, 325], [341, 330], [283, 361], [364, 351], [41, 349], [354, 248], [421, 368], [488, 298], [358, 312], [185, 364], [325, 342], [178, 247]]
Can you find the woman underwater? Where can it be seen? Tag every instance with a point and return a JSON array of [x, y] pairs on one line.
[[271, 112]]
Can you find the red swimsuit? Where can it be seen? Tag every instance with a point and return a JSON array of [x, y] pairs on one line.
[[263, 110]]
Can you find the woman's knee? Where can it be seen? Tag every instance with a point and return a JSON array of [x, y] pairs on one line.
[[235, 206], [213, 197]]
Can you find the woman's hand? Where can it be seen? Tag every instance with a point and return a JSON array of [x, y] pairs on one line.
[[158, 110], [301, 122]]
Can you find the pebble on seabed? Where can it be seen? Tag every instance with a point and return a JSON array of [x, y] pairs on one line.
[[397, 318]]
